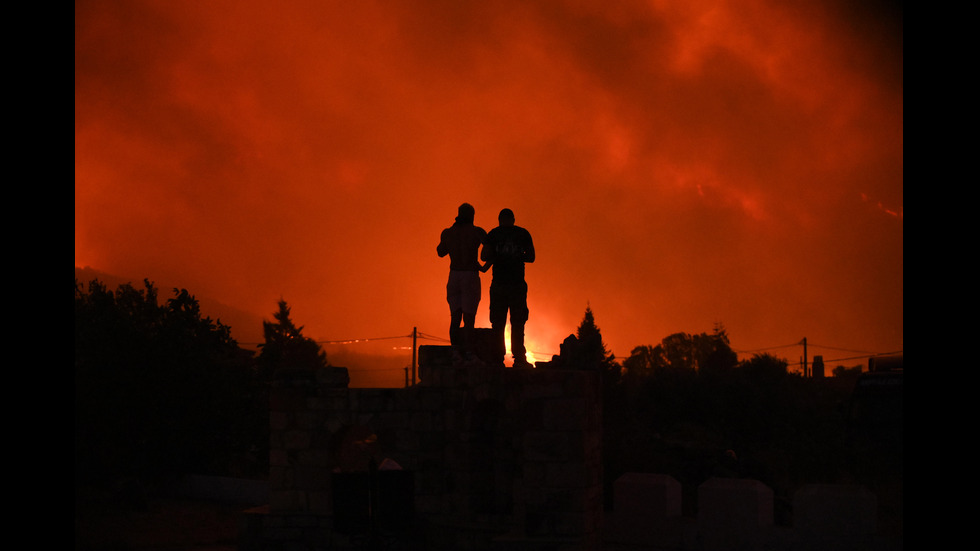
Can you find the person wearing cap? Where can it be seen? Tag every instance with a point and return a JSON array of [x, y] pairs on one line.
[[462, 242], [508, 247]]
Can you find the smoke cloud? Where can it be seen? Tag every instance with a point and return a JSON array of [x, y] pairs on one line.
[[679, 164]]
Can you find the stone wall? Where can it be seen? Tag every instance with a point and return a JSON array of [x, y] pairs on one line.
[[490, 457]]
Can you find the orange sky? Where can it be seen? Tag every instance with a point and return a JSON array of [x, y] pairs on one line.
[[679, 164]]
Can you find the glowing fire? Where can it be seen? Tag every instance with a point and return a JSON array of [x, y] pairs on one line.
[[529, 344]]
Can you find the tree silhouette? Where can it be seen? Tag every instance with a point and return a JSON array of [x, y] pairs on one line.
[[642, 360], [765, 367], [703, 353], [714, 352], [158, 388], [593, 353], [285, 346]]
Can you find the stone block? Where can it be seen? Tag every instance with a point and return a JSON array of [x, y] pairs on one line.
[[371, 399], [647, 496], [734, 513], [335, 399], [333, 377], [646, 511], [425, 421], [305, 420], [534, 388], [434, 355], [430, 504], [570, 524], [534, 474], [288, 399], [278, 458], [563, 414], [431, 399], [279, 420], [567, 500], [545, 445], [293, 377], [835, 511], [430, 375], [296, 439], [321, 501], [489, 346], [287, 500], [571, 474]]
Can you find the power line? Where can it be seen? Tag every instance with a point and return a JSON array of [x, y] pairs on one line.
[[362, 340], [864, 357], [811, 345], [841, 349], [346, 341], [769, 348], [355, 341], [429, 337]]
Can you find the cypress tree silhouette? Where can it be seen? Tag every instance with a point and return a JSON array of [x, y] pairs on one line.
[[593, 353], [285, 346]]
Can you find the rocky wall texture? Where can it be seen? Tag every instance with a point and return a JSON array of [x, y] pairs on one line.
[[483, 451]]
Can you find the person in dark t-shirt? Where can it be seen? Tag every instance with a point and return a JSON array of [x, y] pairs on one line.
[[507, 248]]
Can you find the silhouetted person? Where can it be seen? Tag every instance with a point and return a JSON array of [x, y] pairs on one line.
[[507, 248], [461, 242]]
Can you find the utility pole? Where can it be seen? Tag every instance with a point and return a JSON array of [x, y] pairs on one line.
[[804, 357], [415, 340]]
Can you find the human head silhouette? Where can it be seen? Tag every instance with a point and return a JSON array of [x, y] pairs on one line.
[[506, 217], [466, 213]]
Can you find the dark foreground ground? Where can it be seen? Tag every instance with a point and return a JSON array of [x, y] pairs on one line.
[[174, 524], [165, 524]]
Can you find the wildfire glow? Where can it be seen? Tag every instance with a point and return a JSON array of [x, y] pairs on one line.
[[677, 163]]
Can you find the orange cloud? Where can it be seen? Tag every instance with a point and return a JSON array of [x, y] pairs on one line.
[[677, 164]]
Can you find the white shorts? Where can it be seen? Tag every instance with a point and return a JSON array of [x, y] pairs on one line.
[[463, 291]]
